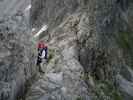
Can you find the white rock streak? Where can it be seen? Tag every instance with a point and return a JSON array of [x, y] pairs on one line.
[[27, 8], [44, 28]]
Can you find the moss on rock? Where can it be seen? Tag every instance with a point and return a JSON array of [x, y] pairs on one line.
[[105, 90], [125, 41]]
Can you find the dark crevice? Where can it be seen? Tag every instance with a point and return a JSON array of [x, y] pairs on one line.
[[124, 4], [26, 87]]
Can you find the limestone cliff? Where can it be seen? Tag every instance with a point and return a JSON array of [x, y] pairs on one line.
[[90, 53], [17, 59], [103, 39]]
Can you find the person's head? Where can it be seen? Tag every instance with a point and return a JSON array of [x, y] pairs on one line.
[[41, 41]]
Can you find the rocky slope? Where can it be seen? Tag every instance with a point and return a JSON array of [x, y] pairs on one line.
[[63, 78], [103, 33], [90, 51]]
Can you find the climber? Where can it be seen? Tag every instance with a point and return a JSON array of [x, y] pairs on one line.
[[42, 53]]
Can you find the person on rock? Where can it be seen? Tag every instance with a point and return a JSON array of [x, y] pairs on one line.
[[42, 53]]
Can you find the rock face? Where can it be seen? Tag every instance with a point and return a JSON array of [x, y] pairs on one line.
[[53, 12], [63, 78], [17, 64], [13, 6], [114, 27], [93, 37]]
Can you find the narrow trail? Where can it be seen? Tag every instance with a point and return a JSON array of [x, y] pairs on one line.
[[62, 79]]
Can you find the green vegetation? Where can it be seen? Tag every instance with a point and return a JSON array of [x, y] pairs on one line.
[[101, 78], [125, 41], [51, 53], [105, 90], [79, 98], [53, 57]]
